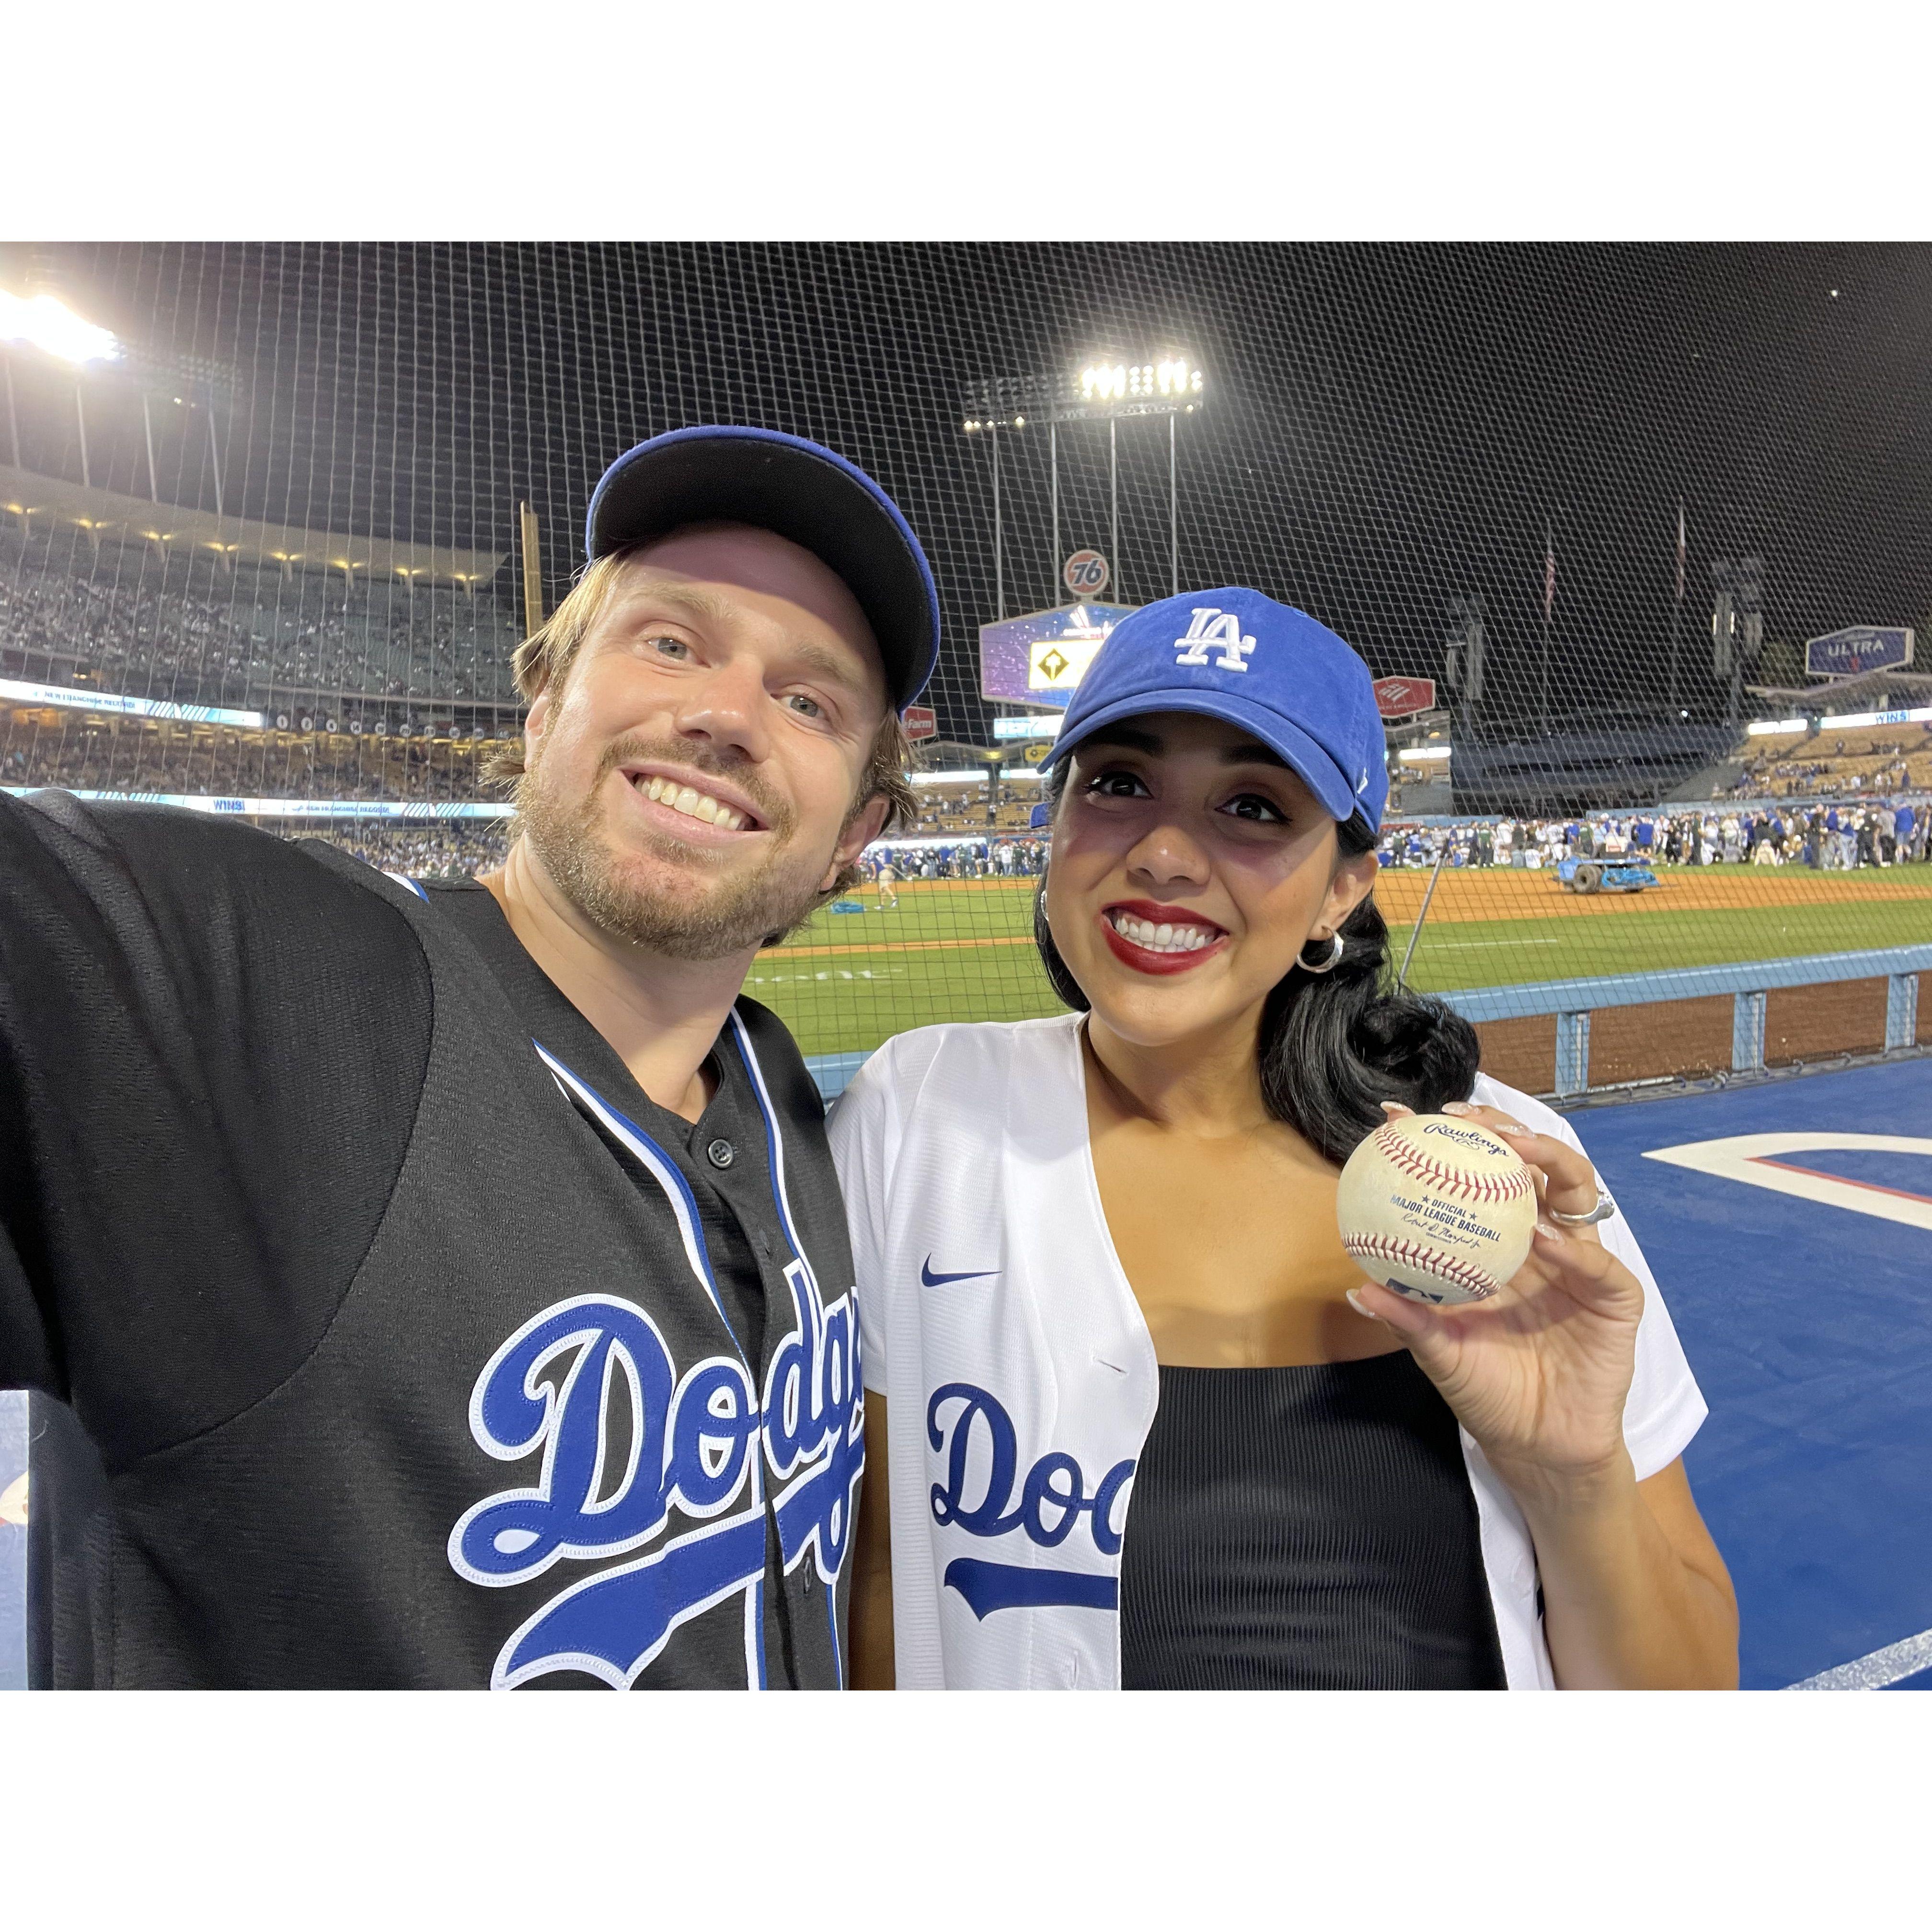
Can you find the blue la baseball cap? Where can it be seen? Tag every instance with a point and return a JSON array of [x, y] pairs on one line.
[[730, 473], [1239, 656]]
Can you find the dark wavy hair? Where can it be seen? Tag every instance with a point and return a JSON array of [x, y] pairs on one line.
[[1334, 1045]]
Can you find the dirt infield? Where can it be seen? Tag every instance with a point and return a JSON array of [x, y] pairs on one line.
[[813, 950], [1464, 897], [1467, 898]]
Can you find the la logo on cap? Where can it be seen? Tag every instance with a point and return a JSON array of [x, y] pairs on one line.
[[1214, 630]]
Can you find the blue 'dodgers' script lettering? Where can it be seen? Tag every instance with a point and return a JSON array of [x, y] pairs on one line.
[[1045, 1506], [556, 1388]]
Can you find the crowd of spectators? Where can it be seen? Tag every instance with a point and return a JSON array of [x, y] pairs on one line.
[[1828, 837], [124, 620], [994, 858], [202, 639], [962, 808], [446, 849], [244, 765], [1882, 760]]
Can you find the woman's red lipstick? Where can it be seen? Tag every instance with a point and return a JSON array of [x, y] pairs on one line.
[[1144, 959]]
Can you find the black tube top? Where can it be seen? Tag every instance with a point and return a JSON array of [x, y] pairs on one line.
[[1304, 1528]]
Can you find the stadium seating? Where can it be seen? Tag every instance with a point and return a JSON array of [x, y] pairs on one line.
[[1878, 760], [195, 638]]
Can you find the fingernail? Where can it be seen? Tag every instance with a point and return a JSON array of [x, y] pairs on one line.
[[1549, 1231], [1458, 1107], [1396, 1110], [1355, 1302], [1512, 1127]]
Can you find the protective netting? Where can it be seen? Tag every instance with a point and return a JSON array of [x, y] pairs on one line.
[[1602, 497]]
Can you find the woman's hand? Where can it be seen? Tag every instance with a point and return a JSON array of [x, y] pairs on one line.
[[1537, 1373], [1636, 1594]]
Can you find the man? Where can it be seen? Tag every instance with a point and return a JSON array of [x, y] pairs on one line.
[[447, 1285]]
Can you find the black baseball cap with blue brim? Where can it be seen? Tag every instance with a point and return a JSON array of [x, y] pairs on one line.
[[1266, 667], [801, 491]]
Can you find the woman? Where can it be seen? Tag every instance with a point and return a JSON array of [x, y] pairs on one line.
[[1135, 1418]]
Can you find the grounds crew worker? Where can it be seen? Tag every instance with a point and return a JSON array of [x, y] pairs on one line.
[[448, 1285]]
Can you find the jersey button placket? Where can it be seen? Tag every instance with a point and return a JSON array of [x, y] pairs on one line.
[[720, 1154]]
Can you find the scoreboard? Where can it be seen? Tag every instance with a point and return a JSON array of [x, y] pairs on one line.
[[1040, 659]]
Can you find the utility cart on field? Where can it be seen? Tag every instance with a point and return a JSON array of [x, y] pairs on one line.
[[1605, 875]]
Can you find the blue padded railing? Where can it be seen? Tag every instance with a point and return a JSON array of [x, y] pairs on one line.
[[1572, 1001]]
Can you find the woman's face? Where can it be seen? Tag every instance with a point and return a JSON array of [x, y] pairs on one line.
[[1189, 867]]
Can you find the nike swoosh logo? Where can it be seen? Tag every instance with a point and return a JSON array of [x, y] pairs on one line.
[[931, 1280]]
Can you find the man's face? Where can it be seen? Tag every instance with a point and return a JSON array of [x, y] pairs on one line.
[[690, 788]]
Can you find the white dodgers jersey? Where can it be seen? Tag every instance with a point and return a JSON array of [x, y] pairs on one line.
[[1020, 1378]]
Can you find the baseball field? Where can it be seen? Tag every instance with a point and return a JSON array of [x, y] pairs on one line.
[[964, 951]]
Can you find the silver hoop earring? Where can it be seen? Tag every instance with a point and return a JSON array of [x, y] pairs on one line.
[[1328, 965]]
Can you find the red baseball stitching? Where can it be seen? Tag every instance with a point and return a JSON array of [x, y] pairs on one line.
[[1413, 1254], [1402, 1153]]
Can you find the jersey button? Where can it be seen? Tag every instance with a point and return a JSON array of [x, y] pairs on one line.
[[719, 1154]]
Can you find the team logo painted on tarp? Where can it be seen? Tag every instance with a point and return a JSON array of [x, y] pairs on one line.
[[1774, 1161]]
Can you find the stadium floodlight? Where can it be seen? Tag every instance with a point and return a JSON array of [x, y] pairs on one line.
[[45, 323], [1172, 379], [1170, 384]]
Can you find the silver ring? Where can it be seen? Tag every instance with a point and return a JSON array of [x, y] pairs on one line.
[[1604, 1210]]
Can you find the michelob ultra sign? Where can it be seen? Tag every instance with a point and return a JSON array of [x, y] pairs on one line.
[[1858, 648]]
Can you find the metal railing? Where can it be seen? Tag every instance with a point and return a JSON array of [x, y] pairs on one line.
[[1571, 1002]]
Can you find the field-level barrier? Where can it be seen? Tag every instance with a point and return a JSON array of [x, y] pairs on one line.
[[1566, 1037]]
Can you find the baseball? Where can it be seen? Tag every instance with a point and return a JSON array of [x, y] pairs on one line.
[[1436, 1208]]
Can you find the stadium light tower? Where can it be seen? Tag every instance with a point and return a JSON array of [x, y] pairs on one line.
[[45, 323], [1737, 626], [1172, 385]]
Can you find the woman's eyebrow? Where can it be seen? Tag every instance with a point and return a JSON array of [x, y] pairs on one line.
[[1127, 739], [1253, 754]]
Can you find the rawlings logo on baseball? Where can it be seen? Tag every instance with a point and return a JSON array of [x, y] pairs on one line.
[[1439, 1210]]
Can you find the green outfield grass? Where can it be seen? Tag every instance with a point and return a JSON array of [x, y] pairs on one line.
[[965, 953]]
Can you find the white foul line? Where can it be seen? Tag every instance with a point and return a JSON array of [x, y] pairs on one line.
[[1874, 1672]]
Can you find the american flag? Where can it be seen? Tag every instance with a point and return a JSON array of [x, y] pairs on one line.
[[1548, 574], [1680, 550]]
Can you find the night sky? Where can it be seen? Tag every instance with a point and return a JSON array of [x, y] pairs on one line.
[[1388, 427]]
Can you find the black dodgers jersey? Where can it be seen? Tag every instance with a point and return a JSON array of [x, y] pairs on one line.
[[383, 1332]]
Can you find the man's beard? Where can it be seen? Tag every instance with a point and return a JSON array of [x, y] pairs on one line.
[[705, 919]]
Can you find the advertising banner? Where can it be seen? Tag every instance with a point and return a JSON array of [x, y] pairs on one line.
[[1404, 697], [1039, 658], [1858, 647]]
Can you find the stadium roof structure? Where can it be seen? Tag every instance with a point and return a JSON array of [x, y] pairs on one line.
[[1840, 693], [105, 516]]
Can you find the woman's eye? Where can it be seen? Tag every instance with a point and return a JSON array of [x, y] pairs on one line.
[[1259, 811], [1116, 784]]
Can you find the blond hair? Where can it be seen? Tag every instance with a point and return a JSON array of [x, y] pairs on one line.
[[542, 663]]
